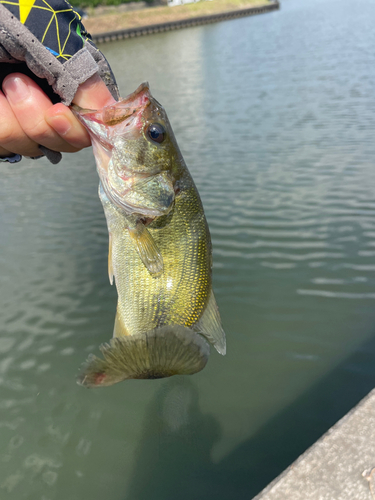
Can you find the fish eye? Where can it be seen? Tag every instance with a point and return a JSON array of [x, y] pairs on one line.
[[156, 132]]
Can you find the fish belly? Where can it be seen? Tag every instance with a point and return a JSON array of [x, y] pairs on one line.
[[180, 294]]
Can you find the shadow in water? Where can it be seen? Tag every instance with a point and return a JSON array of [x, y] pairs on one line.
[[173, 459], [256, 462]]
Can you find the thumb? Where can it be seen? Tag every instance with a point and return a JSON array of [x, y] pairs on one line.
[[93, 94]]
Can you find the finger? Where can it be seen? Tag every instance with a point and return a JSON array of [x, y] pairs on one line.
[[4, 152], [93, 94], [64, 123], [29, 103], [12, 138]]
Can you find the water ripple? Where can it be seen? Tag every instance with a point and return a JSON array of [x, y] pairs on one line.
[[336, 295], [275, 116]]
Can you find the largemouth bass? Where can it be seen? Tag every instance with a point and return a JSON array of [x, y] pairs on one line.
[[160, 252]]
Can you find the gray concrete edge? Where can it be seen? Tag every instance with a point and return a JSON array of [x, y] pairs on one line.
[[347, 427]]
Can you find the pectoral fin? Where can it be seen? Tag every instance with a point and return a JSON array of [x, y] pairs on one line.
[[210, 326], [147, 249]]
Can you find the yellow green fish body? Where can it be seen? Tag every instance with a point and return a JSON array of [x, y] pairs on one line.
[[159, 247]]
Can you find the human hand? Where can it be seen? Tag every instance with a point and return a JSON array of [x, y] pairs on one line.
[[28, 117]]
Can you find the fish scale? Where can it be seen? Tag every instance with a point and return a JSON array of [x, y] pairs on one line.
[[180, 295]]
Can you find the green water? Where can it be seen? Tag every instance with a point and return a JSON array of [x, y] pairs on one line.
[[275, 116]]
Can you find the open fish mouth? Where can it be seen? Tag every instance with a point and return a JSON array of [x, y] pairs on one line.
[[133, 105], [116, 119]]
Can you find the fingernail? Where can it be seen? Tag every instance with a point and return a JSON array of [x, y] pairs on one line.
[[15, 89]]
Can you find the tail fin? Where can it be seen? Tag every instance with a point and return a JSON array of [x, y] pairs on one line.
[[163, 352]]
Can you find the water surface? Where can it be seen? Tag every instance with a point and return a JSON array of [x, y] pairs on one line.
[[275, 116]]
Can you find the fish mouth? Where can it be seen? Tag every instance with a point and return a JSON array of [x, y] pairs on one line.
[[129, 109], [116, 119], [121, 109]]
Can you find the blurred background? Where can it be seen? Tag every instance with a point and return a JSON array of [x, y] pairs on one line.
[[275, 117]]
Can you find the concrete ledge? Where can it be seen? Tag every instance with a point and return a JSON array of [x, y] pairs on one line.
[[183, 23], [338, 466]]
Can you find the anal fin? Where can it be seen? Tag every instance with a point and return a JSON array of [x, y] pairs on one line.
[[147, 249], [210, 326], [119, 329]]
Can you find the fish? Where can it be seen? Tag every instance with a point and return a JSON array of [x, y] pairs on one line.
[[160, 252]]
